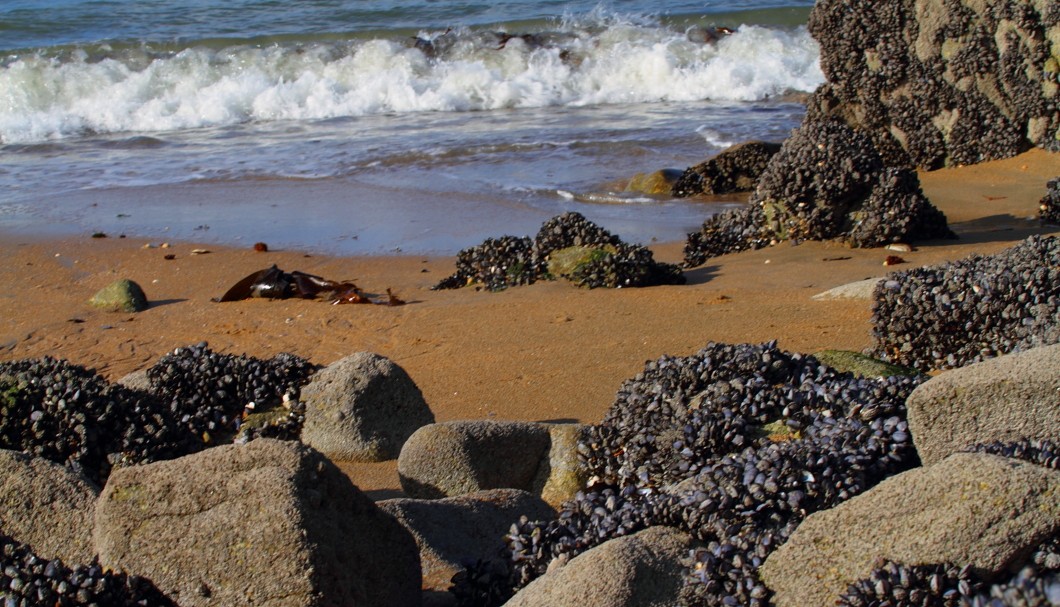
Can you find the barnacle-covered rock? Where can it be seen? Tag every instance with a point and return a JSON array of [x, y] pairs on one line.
[[731, 231], [896, 211], [972, 309], [735, 169], [601, 259]]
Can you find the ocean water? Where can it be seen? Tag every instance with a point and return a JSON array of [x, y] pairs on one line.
[[362, 126]]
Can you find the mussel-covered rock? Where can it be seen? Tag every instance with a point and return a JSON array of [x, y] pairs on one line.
[[606, 261], [972, 309], [70, 415], [1049, 207], [735, 169], [735, 445], [27, 579], [210, 392]]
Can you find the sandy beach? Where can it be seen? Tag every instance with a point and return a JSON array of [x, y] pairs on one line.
[[546, 352]]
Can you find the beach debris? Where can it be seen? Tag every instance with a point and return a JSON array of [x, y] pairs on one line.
[[169, 257], [200, 251], [261, 247], [606, 261], [980, 307], [99, 235], [899, 247], [893, 260], [274, 283], [120, 296]]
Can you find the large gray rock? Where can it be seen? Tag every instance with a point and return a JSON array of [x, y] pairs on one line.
[[454, 458], [975, 509], [120, 296], [362, 409], [47, 506], [455, 531], [1002, 399], [642, 570], [267, 523]]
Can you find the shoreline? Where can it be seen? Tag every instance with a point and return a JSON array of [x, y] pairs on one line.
[[545, 352]]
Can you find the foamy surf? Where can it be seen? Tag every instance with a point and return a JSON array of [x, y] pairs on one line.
[[586, 62]]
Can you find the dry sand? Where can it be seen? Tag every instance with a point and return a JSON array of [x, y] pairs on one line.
[[549, 351]]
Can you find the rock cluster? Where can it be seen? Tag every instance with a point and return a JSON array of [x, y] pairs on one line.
[[968, 310], [735, 169], [607, 262], [735, 446], [941, 83], [1049, 207]]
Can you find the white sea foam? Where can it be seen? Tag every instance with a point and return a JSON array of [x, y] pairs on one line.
[[48, 97]]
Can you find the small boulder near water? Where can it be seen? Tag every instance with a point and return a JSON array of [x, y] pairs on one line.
[[120, 296], [639, 570], [735, 169], [971, 509], [362, 409], [47, 506], [266, 523], [1009, 398], [454, 458]]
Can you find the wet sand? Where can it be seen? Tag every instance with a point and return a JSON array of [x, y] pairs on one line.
[[548, 351]]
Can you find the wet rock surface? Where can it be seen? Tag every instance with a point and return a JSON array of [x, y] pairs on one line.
[[969, 310], [735, 169], [499, 263], [941, 83], [934, 514], [46, 506], [269, 523], [362, 408], [1011, 398]]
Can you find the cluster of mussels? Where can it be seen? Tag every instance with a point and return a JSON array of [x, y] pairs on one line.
[[1049, 208], [28, 580], [69, 414], [736, 169], [211, 392], [507, 261], [827, 181], [946, 585], [735, 445], [972, 309]]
